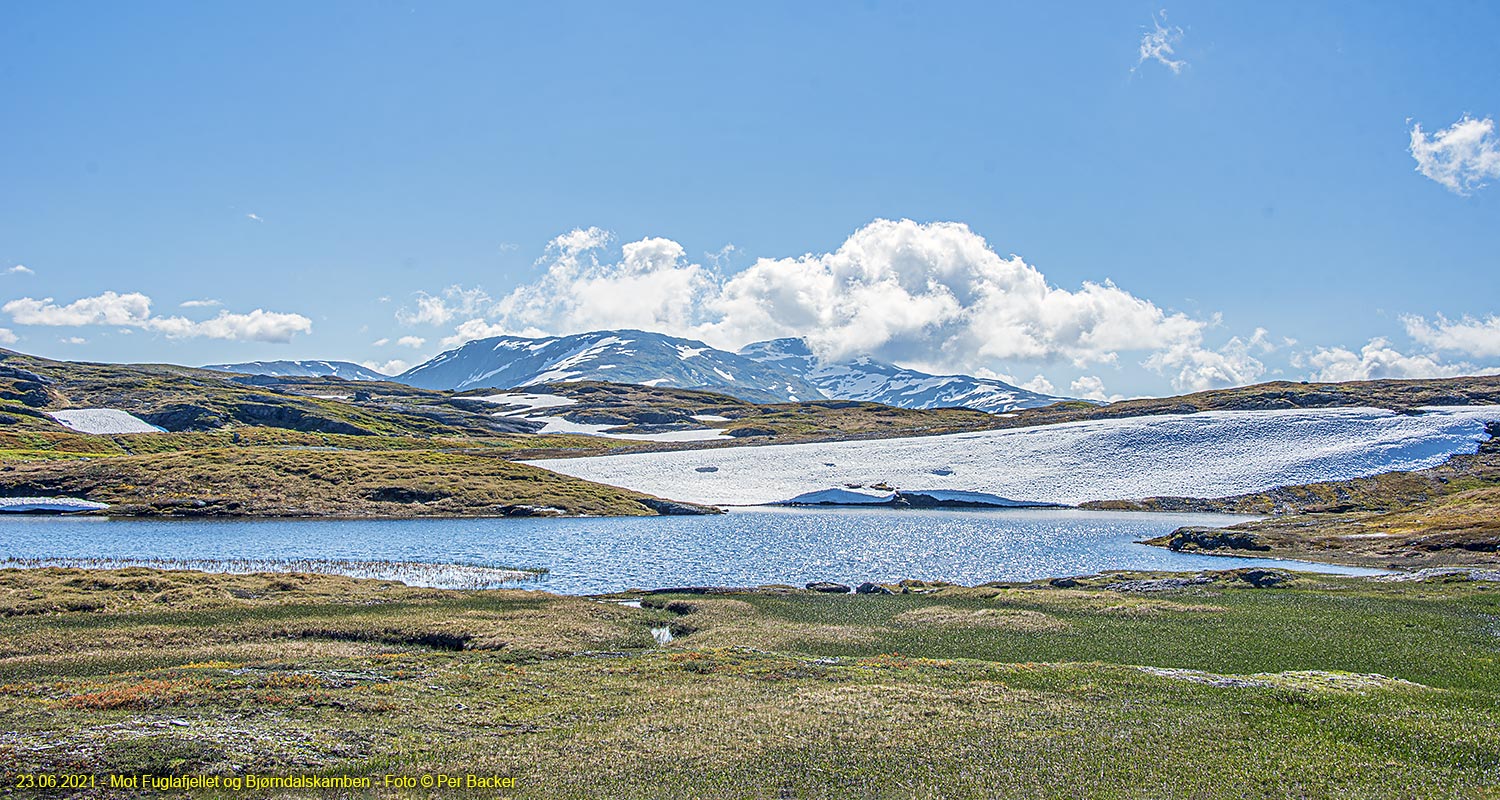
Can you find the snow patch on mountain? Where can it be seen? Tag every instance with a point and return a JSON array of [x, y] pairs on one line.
[[1210, 454]]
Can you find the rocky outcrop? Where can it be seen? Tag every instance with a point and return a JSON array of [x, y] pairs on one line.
[[404, 494], [1189, 539], [750, 430], [672, 508]]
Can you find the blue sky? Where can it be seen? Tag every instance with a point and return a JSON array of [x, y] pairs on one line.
[[1259, 203]]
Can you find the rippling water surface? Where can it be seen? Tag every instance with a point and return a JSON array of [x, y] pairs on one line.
[[741, 548]]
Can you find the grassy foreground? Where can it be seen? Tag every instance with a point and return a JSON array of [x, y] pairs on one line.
[[1115, 686]]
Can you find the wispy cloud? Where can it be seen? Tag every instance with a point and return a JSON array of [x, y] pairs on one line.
[[411, 341], [8, 336], [20, 269], [254, 218], [200, 304], [1461, 157], [1157, 44], [438, 309]]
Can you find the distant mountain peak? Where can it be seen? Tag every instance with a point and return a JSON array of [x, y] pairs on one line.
[[303, 369], [777, 370]]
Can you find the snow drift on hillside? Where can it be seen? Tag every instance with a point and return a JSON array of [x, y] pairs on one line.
[[102, 421], [1211, 454]]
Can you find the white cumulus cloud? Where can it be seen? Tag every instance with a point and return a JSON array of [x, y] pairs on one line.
[[1461, 157], [1039, 384], [1380, 359], [109, 308], [1091, 387], [8, 336], [936, 295], [1479, 338], [20, 269], [133, 310], [1194, 368], [932, 296], [393, 367], [652, 286], [257, 326], [411, 341]]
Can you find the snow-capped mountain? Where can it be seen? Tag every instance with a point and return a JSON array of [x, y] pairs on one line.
[[864, 378], [303, 369], [776, 371], [625, 356]]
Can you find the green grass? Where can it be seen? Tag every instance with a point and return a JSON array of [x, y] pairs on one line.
[[986, 692]]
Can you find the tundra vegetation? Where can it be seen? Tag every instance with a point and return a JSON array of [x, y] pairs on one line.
[[1224, 684]]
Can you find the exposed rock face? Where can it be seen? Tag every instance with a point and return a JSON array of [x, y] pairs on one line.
[[872, 588], [828, 587]]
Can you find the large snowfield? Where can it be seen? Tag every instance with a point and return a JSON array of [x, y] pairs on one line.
[[103, 421], [1211, 454]]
